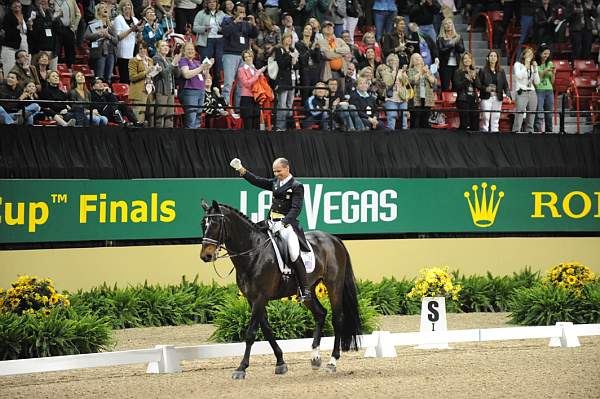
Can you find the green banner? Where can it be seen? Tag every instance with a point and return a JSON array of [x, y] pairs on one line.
[[79, 210]]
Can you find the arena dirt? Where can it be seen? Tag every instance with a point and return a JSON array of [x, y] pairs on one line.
[[510, 369]]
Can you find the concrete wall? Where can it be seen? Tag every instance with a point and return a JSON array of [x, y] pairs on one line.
[[72, 269]]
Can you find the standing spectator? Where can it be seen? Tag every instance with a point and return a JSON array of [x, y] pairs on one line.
[[153, 31], [15, 35], [384, 12], [395, 42], [509, 9], [450, 46], [353, 13], [366, 105], [80, 93], [268, 33], [544, 91], [466, 83], [237, 33], [229, 8], [25, 71], [310, 62], [544, 23], [423, 14], [42, 35], [69, 15], [103, 43], [192, 91], [421, 44], [286, 57], [527, 10], [271, 9], [581, 22], [369, 42], [318, 10], [493, 88], [141, 90], [350, 80], [422, 81], [126, 26], [395, 79], [42, 64], [247, 76], [209, 39], [333, 50], [338, 14], [288, 26], [58, 110], [185, 12], [526, 76], [369, 60], [164, 83]]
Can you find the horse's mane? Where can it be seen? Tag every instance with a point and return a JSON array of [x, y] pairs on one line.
[[241, 215]]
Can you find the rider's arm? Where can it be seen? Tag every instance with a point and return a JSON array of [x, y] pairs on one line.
[[297, 201], [258, 181]]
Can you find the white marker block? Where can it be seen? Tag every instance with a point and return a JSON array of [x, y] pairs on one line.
[[433, 320]]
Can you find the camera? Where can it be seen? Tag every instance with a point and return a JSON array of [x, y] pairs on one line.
[[520, 91], [246, 18]]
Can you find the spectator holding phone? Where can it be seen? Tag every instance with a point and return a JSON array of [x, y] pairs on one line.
[[209, 39]]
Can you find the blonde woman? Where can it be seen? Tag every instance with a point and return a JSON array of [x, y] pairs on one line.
[[103, 42], [164, 83], [526, 77], [466, 83], [125, 26], [141, 89], [450, 47], [422, 81], [395, 80]]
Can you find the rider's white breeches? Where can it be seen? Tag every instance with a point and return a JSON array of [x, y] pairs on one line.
[[290, 237]]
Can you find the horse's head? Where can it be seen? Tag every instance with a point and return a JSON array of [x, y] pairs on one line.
[[213, 230]]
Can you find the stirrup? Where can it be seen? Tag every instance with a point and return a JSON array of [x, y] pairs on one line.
[[304, 296]]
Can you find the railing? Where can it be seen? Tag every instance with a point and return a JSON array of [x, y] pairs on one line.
[[489, 27]]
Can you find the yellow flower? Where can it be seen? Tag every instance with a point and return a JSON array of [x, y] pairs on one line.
[[54, 299], [321, 290], [571, 279], [46, 312], [14, 302]]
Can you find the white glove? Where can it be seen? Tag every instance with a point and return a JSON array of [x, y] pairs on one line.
[[275, 227], [236, 164]]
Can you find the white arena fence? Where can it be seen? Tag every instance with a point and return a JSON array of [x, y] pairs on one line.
[[168, 358]]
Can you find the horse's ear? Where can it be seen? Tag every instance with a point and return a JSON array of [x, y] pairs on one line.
[[204, 204], [215, 204]]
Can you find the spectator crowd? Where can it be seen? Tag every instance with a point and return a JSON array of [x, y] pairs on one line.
[[348, 64]]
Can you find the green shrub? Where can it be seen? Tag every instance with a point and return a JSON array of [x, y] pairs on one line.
[[62, 332], [386, 298], [591, 303], [476, 294], [545, 305]]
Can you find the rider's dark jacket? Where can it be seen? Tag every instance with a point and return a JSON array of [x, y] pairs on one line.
[[287, 200]]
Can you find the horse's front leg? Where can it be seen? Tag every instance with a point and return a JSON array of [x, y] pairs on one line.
[[258, 311], [281, 367]]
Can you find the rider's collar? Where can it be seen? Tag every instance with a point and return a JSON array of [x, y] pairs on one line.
[[285, 181]]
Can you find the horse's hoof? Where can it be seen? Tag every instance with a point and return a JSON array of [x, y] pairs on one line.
[[330, 368], [281, 369], [315, 363], [239, 375]]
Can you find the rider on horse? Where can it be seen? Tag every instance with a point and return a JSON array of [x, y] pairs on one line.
[[288, 198]]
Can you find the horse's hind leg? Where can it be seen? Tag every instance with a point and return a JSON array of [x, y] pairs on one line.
[[336, 319], [258, 312], [320, 314], [281, 367]]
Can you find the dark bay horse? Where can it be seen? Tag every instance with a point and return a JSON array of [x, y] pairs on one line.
[[260, 280]]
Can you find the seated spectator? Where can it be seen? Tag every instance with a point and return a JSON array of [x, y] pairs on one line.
[[42, 64], [13, 90], [395, 81], [372, 83], [466, 83], [366, 105], [395, 42], [247, 76], [81, 112], [114, 110], [5, 118], [494, 86], [350, 80], [344, 113], [103, 43], [318, 107], [333, 50], [25, 71], [367, 43], [58, 111], [450, 46], [215, 105], [422, 81], [310, 62]]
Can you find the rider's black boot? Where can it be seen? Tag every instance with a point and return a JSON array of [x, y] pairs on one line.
[[300, 271]]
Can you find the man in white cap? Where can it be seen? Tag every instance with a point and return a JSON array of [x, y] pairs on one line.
[[288, 198]]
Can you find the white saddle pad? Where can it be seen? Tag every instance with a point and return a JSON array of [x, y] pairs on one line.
[[307, 257]]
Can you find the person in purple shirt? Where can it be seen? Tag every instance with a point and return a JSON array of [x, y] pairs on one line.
[[191, 90]]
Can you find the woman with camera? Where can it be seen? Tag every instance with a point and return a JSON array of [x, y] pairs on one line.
[[125, 26], [466, 83], [422, 81], [494, 86], [141, 90], [526, 77]]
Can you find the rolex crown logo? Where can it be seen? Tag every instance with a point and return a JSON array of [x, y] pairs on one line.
[[483, 212]]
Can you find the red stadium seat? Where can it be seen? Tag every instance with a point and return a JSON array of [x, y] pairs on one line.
[[586, 68], [87, 71], [562, 75], [121, 90]]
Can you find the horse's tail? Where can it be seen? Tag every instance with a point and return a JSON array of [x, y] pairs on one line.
[[352, 326]]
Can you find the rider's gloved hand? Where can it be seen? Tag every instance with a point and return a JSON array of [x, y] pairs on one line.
[[275, 227], [236, 164]]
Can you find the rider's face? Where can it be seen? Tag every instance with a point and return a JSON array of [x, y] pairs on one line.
[[280, 172]]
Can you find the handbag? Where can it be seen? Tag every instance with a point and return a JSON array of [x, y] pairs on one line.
[[272, 67]]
